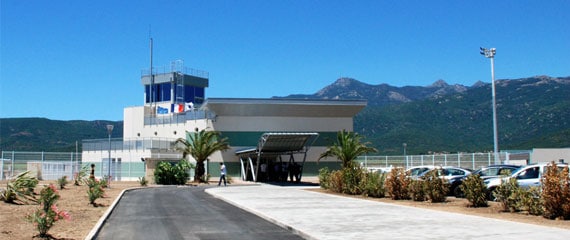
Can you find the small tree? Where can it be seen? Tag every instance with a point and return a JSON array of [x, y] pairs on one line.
[[347, 148], [200, 145]]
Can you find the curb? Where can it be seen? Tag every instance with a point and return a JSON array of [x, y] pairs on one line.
[[95, 231]]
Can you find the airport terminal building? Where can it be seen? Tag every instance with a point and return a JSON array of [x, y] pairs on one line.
[[265, 136]]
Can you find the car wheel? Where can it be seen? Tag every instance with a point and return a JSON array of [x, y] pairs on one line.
[[457, 192], [490, 192]]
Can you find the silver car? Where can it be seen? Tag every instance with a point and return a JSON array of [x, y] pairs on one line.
[[527, 176]]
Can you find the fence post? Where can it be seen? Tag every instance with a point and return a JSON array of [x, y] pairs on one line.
[[433, 159], [473, 160], [13, 162], [459, 159], [489, 158], [445, 159], [386, 161]]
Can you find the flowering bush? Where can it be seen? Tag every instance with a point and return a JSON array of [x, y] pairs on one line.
[[48, 213]]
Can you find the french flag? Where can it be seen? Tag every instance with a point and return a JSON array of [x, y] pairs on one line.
[[177, 108]]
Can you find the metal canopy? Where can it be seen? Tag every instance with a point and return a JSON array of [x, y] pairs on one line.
[[276, 144]]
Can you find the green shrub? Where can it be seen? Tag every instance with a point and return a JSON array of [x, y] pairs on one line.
[[95, 190], [21, 188], [528, 200], [418, 190], [352, 177], [61, 182], [142, 181], [505, 194], [372, 184], [172, 174], [436, 186], [78, 177], [475, 191], [104, 181], [336, 183], [397, 184], [324, 177], [556, 192]]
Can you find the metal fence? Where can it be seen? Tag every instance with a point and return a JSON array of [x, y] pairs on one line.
[[464, 160], [54, 165], [43, 165]]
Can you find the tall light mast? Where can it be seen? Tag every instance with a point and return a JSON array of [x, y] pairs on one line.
[[490, 53]]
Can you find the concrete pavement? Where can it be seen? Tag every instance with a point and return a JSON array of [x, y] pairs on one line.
[[316, 215]]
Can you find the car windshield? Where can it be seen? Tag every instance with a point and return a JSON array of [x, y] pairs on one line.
[[417, 171], [496, 171]]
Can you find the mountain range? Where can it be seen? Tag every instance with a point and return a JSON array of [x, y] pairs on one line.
[[532, 112]]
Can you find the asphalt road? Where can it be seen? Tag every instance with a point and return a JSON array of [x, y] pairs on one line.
[[184, 213]]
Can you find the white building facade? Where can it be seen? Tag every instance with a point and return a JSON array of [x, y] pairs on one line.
[[175, 103]]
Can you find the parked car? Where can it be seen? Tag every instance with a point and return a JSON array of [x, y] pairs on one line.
[[379, 169], [416, 171], [491, 171], [451, 174], [527, 176]]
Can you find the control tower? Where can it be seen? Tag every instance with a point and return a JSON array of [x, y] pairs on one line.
[[174, 85]]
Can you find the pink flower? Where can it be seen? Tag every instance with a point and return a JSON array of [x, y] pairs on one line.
[[65, 215], [53, 187]]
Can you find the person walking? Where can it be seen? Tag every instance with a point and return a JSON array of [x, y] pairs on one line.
[[222, 174]]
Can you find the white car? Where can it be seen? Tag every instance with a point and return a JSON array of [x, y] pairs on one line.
[[527, 176]]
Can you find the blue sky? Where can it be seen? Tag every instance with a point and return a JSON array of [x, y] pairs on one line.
[[82, 60]]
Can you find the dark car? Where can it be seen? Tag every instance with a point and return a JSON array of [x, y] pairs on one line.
[[451, 174], [491, 171]]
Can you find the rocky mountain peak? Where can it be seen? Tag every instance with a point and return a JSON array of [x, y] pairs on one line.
[[439, 83]]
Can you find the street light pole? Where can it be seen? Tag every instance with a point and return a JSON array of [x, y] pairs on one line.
[[490, 53], [109, 130]]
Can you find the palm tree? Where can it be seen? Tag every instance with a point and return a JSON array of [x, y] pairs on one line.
[[347, 148], [200, 145]]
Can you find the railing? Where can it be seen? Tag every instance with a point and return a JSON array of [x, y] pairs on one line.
[[465, 160], [169, 69], [118, 144], [178, 117]]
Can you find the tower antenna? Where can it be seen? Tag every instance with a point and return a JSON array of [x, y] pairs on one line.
[[151, 73]]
